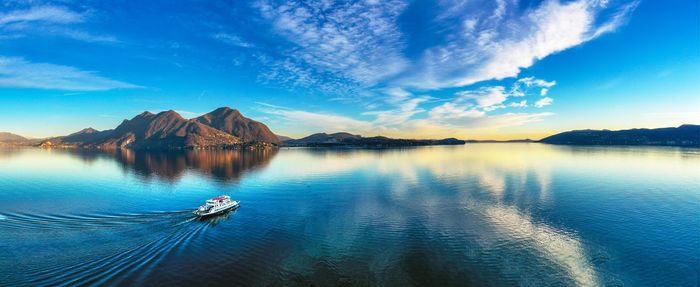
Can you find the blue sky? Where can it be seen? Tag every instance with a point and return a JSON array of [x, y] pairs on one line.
[[423, 69]]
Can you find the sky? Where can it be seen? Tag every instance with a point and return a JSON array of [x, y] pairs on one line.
[[469, 69]]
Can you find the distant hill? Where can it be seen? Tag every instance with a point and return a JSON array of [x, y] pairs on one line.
[[283, 138], [350, 140], [84, 135], [323, 138], [234, 123], [11, 138], [169, 130], [685, 135], [502, 141]]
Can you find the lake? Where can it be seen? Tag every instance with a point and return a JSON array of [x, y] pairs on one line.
[[520, 214]]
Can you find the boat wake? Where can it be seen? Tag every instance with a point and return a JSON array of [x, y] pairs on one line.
[[131, 266], [67, 221], [163, 235]]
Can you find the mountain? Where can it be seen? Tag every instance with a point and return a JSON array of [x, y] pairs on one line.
[[323, 138], [343, 139], [685, 135], [11, 138], [221, 128], [232, 122], [84, 135], [165, 130]]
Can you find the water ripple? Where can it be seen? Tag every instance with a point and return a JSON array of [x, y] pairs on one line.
[[132, 265]]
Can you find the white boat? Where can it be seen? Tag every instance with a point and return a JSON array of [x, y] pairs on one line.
[[216, 205]]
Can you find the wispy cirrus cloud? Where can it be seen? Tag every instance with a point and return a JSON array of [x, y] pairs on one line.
[[49, 20], [231, 39], [20, 73], [486, 98], [618, 18], [392, 117], [347, 44], [327, 122], [362, 43], [49, 14], [81, 35]]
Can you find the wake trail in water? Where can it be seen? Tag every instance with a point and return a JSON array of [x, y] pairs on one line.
[[122, 265], [68, 221], [171, 232]]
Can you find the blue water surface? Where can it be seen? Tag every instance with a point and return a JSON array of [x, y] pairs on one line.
[[520, 214]]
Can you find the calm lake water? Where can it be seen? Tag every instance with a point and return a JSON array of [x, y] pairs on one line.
[[472, 215]]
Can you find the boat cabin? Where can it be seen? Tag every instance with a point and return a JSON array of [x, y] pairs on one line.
[[218, 200]]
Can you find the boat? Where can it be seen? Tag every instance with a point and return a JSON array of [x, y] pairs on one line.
[[216, 205]]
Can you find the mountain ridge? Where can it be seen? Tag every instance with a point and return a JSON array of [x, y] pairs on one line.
[[168, 130], [11, 138], [683, 135], [345, 139]]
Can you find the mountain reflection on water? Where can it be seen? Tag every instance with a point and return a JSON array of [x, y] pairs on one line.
[[223, 165]]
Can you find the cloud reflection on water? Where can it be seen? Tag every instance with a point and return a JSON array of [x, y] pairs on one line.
[[489, 184]]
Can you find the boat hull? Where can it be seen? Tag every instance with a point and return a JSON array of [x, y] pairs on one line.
[[218, 212]]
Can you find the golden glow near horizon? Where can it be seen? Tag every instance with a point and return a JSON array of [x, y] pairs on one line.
[[488, 161]]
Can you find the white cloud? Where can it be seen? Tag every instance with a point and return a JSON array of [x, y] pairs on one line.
[[618, 19], [522, 86], [476, 103], [534, 82], [520, 104], [81, 35], [396, 94], [546, 101], [19, 73], [485, 97], [498, 47], [453, 110], [52, 14], [49, 21], [232, 40], [403, 113], [471, 108]]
